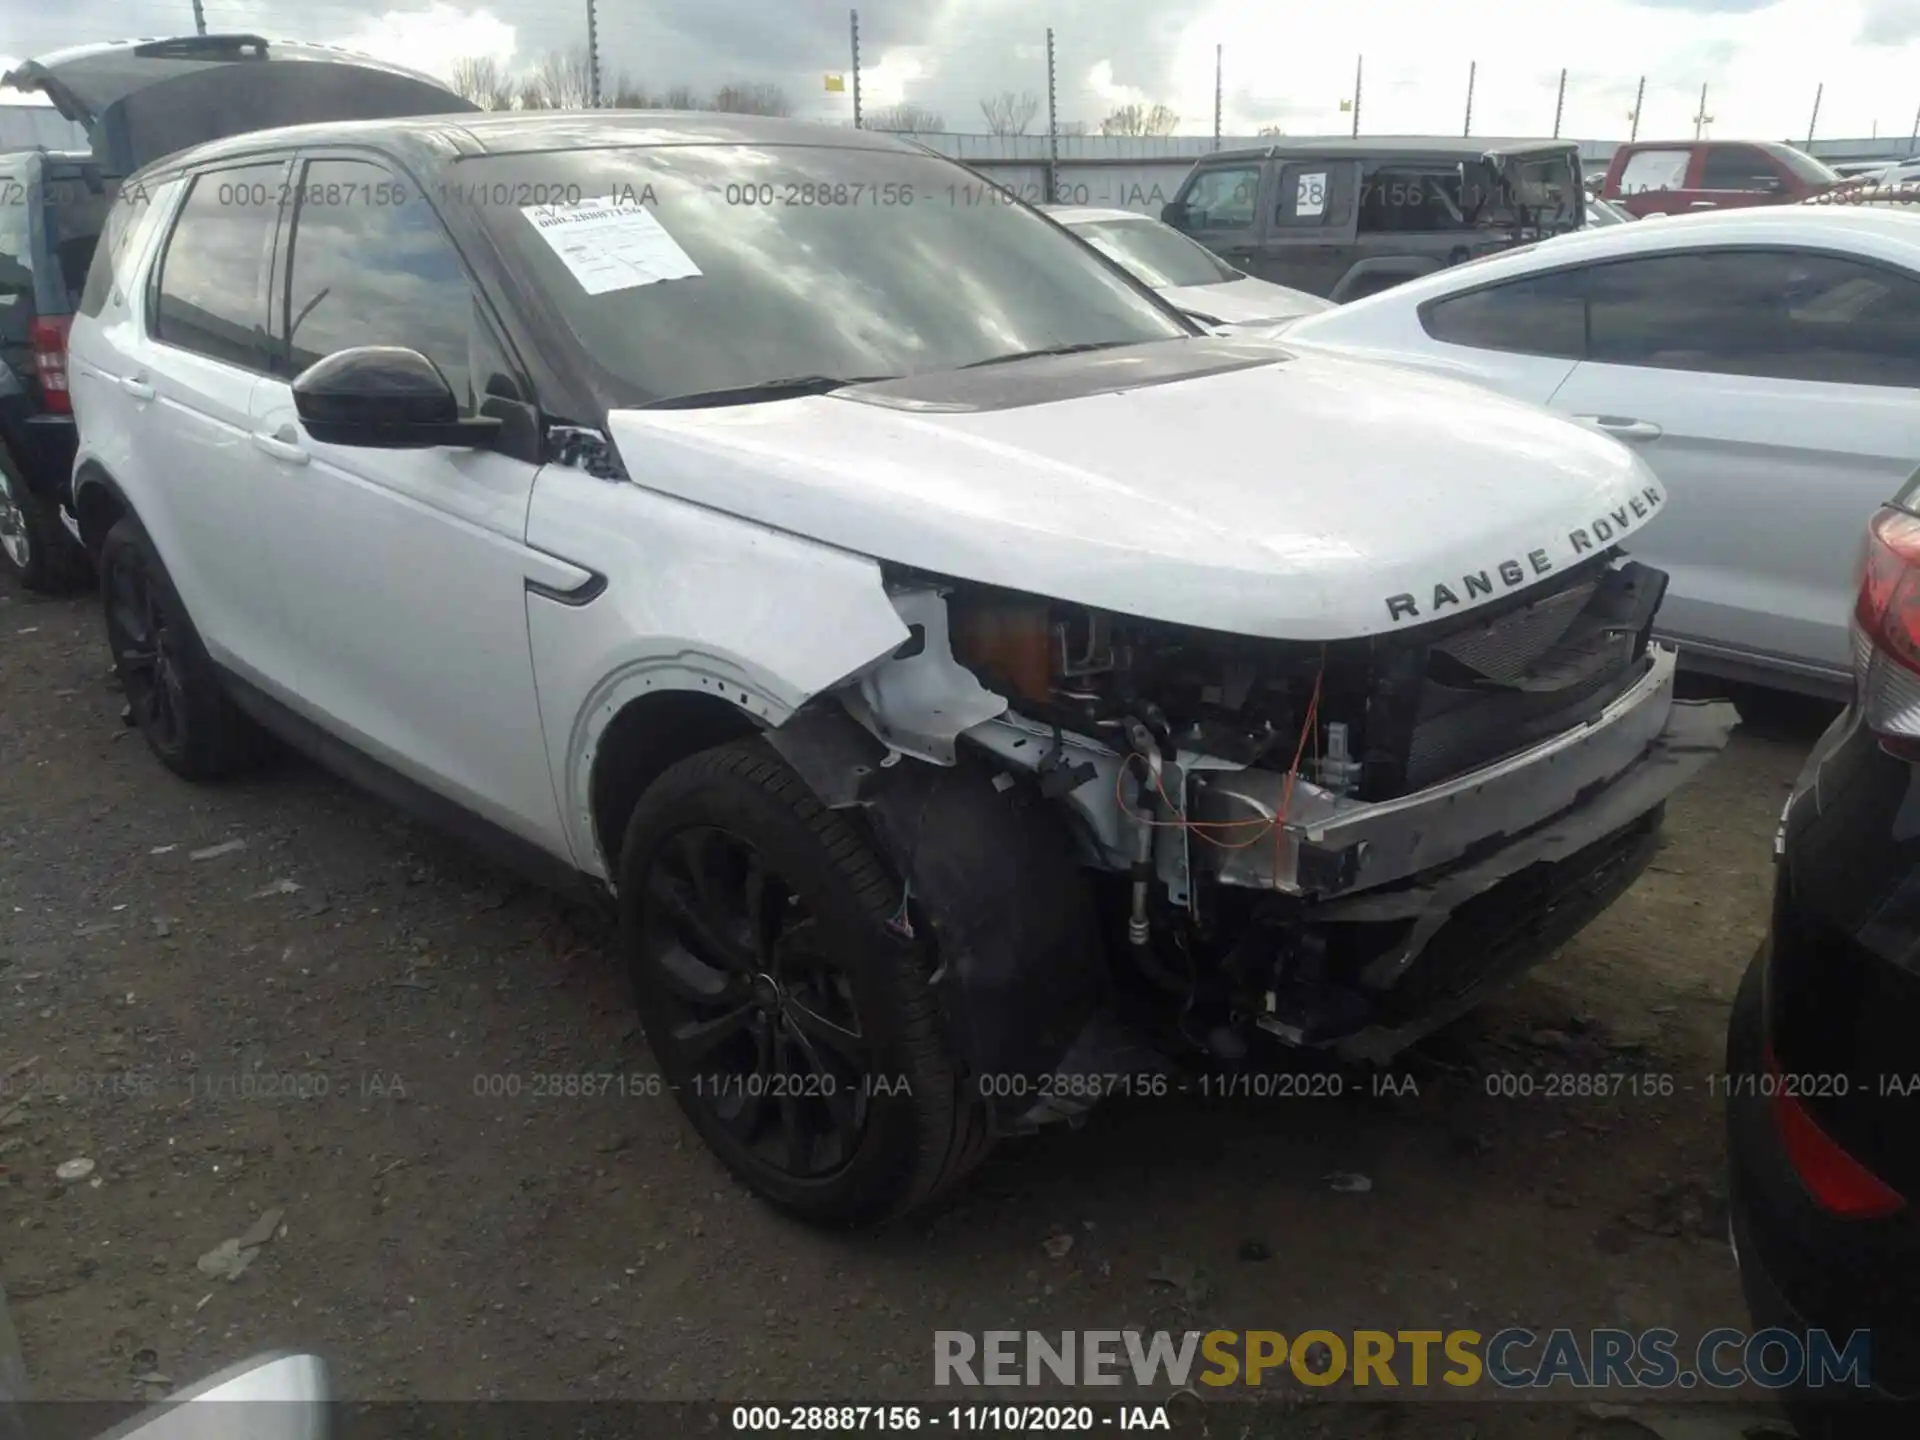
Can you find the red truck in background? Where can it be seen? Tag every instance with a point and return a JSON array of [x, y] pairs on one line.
[[1671, 177]]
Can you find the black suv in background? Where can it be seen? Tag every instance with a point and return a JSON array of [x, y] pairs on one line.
[[1344, 218], [139, 101], [52, 209]]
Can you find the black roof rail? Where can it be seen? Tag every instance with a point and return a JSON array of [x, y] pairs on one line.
[[205, 47]]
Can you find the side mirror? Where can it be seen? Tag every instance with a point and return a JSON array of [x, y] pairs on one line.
[[384, 397], [1174, 213]]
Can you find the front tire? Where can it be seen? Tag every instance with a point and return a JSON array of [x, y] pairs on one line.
[[174, 695], [794, 1020]]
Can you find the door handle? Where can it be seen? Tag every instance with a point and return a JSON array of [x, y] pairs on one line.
[[280, 449], [1623, 428], [1704, 205], [137, 387]]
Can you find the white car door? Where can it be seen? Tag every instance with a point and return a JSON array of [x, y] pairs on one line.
[[186, 384], [405, 572], [1777, 395]]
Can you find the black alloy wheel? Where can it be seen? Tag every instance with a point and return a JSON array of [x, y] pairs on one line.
[[762, 1015]]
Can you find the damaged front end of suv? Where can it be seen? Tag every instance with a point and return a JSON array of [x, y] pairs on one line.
[[1340, 844]]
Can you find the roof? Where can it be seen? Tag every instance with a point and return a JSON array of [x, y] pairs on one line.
[[1842, 227], [522, 132], [1361, 147], [1088, 214]]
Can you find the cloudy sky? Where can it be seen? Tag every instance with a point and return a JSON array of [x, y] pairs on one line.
[[1285, 65]]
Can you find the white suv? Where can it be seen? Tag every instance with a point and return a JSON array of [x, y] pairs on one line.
[[979, 690]]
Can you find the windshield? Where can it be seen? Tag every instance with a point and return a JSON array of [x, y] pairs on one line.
[[1804, 166], [1156, 254], [761, 263]]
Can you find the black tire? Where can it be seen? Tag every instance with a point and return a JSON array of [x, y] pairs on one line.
[[34, 546], [828, 951], [173, 692]]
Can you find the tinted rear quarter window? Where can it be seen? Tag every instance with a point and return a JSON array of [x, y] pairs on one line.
[[1534, 315], [209, 282], [110, 255]]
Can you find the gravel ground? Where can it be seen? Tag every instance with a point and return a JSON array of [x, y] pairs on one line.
[[167, 951]]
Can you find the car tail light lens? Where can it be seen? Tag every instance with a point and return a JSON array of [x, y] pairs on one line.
[[1838, 1183], [1886, 632], [50, 361]]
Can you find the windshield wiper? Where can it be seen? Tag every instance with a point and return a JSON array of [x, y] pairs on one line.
[[782, 389], [1078, 349]]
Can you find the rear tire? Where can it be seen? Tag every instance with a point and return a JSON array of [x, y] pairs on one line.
[[756, 923], [174, 695], [34, 546]]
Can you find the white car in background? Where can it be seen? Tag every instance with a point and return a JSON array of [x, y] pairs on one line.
[[1184, 271], [1764, 362]]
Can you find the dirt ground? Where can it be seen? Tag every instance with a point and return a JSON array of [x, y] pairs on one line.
[[175, 960]]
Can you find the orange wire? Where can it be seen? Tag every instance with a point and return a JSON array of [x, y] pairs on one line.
[[1267, 826]]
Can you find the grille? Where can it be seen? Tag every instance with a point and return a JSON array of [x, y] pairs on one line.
[[1506, 649]]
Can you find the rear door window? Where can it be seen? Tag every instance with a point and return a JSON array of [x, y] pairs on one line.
[[1534, 315], [1396, 200], [209, 290], [1782, 314], [1738, 167], [1655, 170]]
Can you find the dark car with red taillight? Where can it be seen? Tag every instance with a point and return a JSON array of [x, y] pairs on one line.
[[1823, 1049]]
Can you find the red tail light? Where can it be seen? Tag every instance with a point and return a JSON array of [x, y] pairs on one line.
[[1838, 1183], [1886, 632], [50, 360]]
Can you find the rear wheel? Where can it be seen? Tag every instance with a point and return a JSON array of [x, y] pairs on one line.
[[795, 1023], [34, 546], [174, 695]]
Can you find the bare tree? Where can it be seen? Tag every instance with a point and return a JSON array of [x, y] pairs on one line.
[[1271, 130], [1137, 119], [758, 98], [1008, 113], [1073, 127], [906, 118], [563, 80], [681, 97], [480, 78]]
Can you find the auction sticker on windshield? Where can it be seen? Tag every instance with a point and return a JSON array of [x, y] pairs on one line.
[[609, 245]]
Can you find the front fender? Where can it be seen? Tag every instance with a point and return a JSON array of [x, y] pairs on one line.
[[695, 601]]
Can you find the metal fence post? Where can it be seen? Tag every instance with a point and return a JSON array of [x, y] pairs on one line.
[[1814, 120], [1639, 96], [1216, 95], [853, 25], [593, 57], [1560, 103], [1053, 126], [1358, 61], [1473, 68], [199, 19]]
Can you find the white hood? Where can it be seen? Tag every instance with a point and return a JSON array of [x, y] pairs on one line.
[[1245, 301], [1316, 498]]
